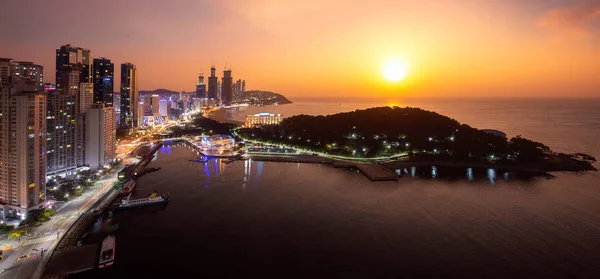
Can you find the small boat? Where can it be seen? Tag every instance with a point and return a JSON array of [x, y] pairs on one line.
[[127, 188], [153, 199], [107, 252]]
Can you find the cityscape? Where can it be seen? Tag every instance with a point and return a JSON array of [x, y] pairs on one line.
[[371, 140]]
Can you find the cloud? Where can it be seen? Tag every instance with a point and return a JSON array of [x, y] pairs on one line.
[[581, 20]]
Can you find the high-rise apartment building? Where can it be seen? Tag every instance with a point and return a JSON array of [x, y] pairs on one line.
[[140, 115], [239, 87], [104, 71], [84, 103], [29, 72], [66, 109], [101, 135], [68, 57], [212, 84], [130, 113], [227, 93], [154, 104], [201, 87], [163, 108], [22, 138]]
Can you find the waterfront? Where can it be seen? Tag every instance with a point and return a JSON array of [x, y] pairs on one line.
[[252, 218]]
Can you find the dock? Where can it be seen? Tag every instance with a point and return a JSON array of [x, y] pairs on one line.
[[73, 260], [375, 172], [294, 159]]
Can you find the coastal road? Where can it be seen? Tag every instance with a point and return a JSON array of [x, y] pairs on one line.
[[47, 235]]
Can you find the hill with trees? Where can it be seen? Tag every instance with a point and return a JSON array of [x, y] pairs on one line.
[[385, 131]]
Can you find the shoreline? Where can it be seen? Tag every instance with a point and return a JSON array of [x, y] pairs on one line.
[[220, 115], [87, 218]]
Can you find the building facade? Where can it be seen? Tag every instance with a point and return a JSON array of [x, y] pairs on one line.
[[101, 136], [84, 103], [22, 139], [227, 92], [263, 118], [69, 57], [66, 109], [130, 113], [154, 105], [212, 83], [201, 87], [104, 72], [163, 107]]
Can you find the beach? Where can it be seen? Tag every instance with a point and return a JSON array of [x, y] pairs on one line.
[[220, 115]]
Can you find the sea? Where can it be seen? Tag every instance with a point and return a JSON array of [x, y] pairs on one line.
[[251, 219]]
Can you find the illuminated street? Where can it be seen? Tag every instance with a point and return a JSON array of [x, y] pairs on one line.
[[46, 236]]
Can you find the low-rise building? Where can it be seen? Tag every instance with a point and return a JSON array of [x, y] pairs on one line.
[[263, 118]]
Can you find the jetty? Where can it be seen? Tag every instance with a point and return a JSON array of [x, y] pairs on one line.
[[373, 171]]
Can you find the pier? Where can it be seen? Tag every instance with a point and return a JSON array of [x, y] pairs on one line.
[[374, 172]]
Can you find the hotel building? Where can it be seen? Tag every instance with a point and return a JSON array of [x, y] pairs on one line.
[[263, 118]]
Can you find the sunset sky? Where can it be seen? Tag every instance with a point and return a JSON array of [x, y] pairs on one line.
[[317, 48]]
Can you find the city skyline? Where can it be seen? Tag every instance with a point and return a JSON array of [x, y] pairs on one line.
[[488, 49]]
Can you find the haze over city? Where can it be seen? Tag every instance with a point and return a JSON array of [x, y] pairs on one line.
[[327, 49]]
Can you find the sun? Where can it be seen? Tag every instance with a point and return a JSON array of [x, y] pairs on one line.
[[395, 70]]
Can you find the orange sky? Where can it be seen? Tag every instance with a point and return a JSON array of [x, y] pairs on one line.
[[315, 48]]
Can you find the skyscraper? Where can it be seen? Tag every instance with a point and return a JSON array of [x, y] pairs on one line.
[[101, 135], [163, 107], [66, 109], [104, 72], [227, 92], [201, 87], [30, 72], [129, 97], [154, 104], [68, 57], [212, 84], [22, 138], [84, 103]]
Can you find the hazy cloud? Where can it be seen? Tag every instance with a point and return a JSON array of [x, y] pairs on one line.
[[581, 20]]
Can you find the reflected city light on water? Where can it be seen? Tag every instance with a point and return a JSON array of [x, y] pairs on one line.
[[470, 173], [492, 175], [413, 171], [506, 176], [433, 171]]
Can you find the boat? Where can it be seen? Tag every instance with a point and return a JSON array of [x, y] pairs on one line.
[[153, 199], [127, 188], [200, 160], [230, 160], [107, 252]]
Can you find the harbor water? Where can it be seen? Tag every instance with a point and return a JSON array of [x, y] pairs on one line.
[[251, 219]]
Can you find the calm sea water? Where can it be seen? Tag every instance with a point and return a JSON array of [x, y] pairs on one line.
[[251, 219]]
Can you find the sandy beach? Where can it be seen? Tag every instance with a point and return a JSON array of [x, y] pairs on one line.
[[220, 115]]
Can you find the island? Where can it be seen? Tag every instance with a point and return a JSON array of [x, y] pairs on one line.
[[407, 136]]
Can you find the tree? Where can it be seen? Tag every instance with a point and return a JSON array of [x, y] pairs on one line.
[[17, 233]]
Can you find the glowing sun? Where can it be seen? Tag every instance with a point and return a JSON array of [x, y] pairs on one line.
[[395, 70]]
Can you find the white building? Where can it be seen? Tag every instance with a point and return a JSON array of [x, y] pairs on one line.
[[22, 141], [101, 136], [163, 107]]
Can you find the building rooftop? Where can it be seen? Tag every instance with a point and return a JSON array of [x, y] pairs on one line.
[[264, 114]]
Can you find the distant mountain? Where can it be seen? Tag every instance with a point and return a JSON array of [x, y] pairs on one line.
[[252, 97], [264, 98]]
